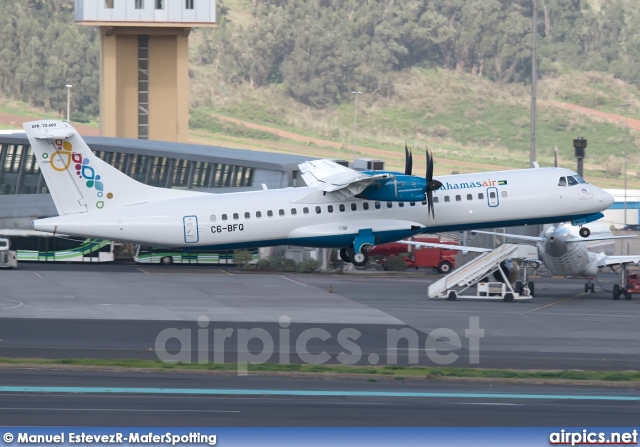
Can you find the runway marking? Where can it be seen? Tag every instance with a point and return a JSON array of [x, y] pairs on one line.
[[293, 280], [230, 274], [553, 304], [488, 403], [143, 271], [327, 393], [37, 275], [20, 304], [119, 410]]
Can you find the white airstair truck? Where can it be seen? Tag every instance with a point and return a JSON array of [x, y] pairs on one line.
[[7, 257], [455, 283]]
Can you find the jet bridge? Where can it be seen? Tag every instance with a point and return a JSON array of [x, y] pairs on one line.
[[455, 283]]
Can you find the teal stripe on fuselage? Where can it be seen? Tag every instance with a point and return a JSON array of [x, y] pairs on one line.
[[382, 237]]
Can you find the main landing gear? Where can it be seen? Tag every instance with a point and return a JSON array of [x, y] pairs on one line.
[[357, 259], [357, 253], [627, 284], [584, 232]]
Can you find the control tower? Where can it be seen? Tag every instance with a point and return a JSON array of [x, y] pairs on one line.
[[144, 67]]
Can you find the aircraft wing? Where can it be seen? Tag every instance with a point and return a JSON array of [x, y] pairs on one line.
[[447, 246], [511, 236], [607, 261], [599, 238], [329, 176]]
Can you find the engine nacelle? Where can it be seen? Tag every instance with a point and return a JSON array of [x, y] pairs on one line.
[[510, 269], [404, 188]]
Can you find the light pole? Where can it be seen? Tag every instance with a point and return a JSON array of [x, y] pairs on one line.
[[625, 164], [68, 100], [355, 121]]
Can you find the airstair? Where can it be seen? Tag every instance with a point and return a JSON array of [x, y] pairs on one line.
[[456, 282]]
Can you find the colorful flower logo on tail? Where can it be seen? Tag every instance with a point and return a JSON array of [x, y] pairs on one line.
[[62, 159]]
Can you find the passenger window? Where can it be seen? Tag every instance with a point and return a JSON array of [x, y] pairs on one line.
[[281, 212], [389, 204], [436, 200], [469, 196], [377, 205], [318, 210], [258, 214], [458, 198], [224, 217], [492, 195], [330, 208], [354, 207], [213, 218], [400, 204], [294, 211], [480, 196], [305, 210], [412, 203], [236, 216], [269, 213], [504, 193], [572, 181], [342, 208], [247, 215], [562, 181], [446, 199], [365, 206], [424, 202]]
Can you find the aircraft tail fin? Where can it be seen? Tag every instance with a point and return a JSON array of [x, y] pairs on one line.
[[79, 181]]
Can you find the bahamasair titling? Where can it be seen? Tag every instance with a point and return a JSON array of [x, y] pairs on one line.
[[339, 208]]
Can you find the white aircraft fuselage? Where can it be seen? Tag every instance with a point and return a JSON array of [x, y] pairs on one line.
[[568, 259], [340, 207], [508, 198]]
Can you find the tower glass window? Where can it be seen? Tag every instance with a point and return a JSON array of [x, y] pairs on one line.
[[139, 4], [188, 4]]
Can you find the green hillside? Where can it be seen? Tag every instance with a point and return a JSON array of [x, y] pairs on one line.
[[449, 75]]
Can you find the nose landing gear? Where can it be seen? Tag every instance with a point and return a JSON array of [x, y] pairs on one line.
[[584, 232]]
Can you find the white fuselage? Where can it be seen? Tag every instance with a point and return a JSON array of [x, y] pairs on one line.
[[307, 217], [564, 258]]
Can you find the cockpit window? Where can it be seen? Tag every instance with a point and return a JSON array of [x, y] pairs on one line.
[[572, 181], [579, 179], [562, 181]]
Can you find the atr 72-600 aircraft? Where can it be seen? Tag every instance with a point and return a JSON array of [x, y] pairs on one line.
[[339, 208], [563, 253]]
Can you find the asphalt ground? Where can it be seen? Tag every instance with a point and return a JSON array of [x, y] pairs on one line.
[[96, 398], [204, 313]]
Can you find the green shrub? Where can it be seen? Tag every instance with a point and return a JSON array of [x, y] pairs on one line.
[[309, 266], [394, 263], [264, 265], [242, 258], [282, 265]]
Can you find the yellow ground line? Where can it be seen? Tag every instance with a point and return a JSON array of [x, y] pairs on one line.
[[231, 274], [146, 273], [553, 304]]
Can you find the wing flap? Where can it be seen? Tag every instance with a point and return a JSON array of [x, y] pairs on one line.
[[330, 176]]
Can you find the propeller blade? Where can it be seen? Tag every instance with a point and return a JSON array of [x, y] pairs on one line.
[[430, 204], [432, 185], [408, 160], [429, 176]]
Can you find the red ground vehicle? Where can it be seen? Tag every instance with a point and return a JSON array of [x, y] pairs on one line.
[[439, 259]]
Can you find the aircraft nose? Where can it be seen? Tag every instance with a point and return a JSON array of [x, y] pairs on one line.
[[605, 198]]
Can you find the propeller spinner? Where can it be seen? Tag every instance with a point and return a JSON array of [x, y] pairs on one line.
[[431, 184]]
